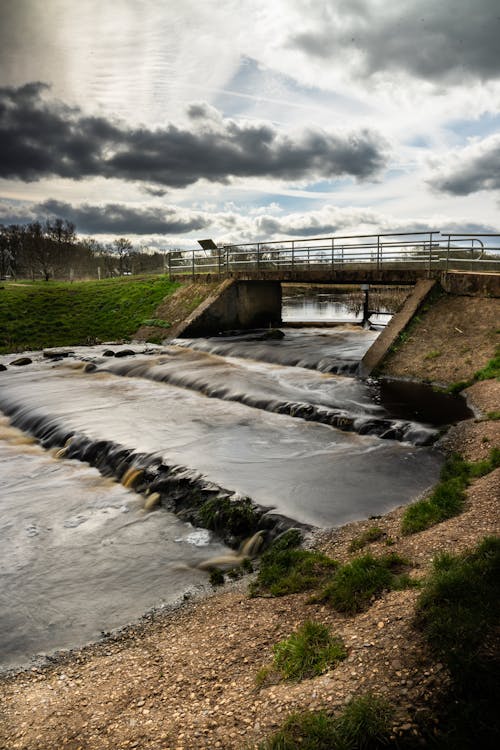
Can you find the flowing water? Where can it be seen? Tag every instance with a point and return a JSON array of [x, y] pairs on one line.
[[268, 419]]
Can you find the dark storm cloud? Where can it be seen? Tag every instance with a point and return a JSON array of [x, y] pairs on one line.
[[438, 41], [476, 168], [40, 138], [119, 219]]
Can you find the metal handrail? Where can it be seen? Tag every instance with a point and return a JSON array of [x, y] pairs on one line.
[[431, 249]]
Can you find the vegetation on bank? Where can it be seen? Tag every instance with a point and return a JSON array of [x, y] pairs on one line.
[[365, 722], [448, 497], [489, 372], [458, 613], [358, 583], [304, 654], [287, 569], [36, 315]]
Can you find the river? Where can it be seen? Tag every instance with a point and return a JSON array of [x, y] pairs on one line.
[[278, 420]]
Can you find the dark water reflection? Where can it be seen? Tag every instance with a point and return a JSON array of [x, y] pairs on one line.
[[319, 305]]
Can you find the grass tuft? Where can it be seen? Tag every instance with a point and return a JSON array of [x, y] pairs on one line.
[[285, 569], [308, 652], [358, 583], [373, 534], [365, 723]]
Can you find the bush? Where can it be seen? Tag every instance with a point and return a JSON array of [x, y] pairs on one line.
[[357, 583], [308, 652], [365, 724]]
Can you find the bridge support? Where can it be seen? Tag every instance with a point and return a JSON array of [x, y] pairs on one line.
[[237, 305]]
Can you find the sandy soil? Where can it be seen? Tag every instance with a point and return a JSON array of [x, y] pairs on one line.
[[187, 679]]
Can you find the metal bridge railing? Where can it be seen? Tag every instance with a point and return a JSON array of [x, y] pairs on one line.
[[430, 250]]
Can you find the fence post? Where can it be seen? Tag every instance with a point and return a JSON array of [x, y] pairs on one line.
[[333, 253], [378, 253], [169, 261], [430, 254], [258, 256], [293, 253], [218, 259], [193, 266], [448, 254]]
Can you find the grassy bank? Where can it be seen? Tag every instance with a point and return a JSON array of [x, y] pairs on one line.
[[34, 315]]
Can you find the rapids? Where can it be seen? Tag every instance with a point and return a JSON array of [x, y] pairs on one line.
[[263, 418]]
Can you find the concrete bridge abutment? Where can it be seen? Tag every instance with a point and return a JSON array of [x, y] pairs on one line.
[[236, 305]]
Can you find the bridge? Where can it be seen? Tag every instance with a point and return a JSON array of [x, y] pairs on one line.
[[250, 275], [393, 258]]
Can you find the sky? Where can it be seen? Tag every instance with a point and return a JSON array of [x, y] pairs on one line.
[[243, 120]]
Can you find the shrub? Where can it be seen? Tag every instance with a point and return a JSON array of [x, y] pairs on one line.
[[356, 584], [308, 652], [365, 723]]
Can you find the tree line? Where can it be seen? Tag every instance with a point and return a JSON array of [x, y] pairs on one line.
[[53, 250]]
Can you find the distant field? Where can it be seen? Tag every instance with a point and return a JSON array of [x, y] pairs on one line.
[[39, 314]]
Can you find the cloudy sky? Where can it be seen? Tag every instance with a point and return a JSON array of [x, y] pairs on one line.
[[248, 119]]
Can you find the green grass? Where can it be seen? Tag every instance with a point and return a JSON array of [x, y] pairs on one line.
[[488, 372], [493, 415], [308, 652], [285, 569], [355, 585], [433, 354], [459, 604], [364, 724], [448, 497], [37, 315], [491, 370], [373, 534], [458, 613]]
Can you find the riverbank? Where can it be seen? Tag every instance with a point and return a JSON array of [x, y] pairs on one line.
[[187, 679], [39, 314]]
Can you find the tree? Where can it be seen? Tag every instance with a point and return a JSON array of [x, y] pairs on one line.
[[122, 247]]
